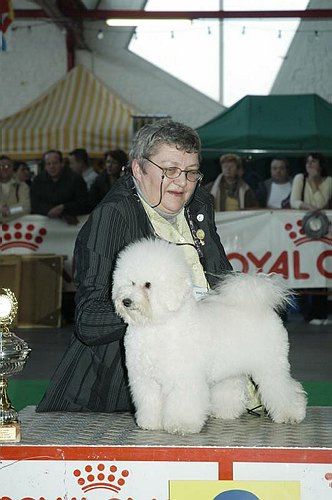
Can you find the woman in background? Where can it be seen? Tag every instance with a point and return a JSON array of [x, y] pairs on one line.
[[229, 190], [312, 191], [115, 162]]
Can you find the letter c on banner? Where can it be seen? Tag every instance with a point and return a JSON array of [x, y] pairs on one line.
[[320, 264]]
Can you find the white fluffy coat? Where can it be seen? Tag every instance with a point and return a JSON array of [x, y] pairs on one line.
[[189, 360]]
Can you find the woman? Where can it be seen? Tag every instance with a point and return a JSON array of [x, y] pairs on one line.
[[312, 191], [115, 162], [159, 197], [229, 190], [14, 195]]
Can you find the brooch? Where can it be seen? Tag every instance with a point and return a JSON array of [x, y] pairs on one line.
[[200, 235]]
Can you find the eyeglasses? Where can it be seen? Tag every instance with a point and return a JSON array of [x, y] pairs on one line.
[[5, 166], [175, 172]]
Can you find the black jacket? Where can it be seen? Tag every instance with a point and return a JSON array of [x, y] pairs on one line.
[[100, 187], [69, 190], [91, 375]]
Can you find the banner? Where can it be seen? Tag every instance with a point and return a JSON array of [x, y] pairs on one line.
[[254, 240], [37, 234], [274, 242]]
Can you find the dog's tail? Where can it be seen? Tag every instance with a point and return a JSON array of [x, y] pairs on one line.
[[260, 290]]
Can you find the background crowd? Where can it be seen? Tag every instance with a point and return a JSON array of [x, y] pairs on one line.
[[65, 188]]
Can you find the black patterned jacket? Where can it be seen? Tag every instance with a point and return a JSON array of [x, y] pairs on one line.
[[91, 375]]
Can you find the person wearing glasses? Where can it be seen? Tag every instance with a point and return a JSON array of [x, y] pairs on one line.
[[160, 197]]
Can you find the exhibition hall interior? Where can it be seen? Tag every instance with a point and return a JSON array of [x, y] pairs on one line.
[[207, 124]]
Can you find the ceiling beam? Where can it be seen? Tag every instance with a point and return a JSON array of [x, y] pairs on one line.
[[58, 14], [76, 25], [96, 14]]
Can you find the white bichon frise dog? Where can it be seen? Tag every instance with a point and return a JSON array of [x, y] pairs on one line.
[[187, 359]]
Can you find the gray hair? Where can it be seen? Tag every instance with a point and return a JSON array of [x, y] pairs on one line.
[[165, 131]]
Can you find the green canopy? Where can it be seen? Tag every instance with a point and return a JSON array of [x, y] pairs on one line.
[[288, 124]]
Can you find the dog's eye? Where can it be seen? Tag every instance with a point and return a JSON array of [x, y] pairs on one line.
[[147, 284], [133, 283]]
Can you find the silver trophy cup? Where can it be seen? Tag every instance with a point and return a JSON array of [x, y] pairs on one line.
[[13, 355]]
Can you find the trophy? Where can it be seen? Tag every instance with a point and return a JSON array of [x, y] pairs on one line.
[[13, 354]]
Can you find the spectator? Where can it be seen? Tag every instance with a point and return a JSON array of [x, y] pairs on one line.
[[115, 162], [14, 195], [229, 190], [312, 191], [79, 162], [23, 172], [275, 191], [57, 191]]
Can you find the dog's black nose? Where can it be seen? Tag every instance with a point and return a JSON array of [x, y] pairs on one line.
[[127, 302]]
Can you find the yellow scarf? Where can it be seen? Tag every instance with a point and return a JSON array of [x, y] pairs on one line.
[[179, 233]]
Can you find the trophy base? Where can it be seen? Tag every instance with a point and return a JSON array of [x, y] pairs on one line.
[[10, 432]]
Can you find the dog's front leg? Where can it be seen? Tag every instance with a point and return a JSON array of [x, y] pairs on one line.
[[186, 407], [146, 394]]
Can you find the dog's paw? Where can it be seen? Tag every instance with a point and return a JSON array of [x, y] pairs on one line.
[[228, 410], [183, 428], [291, 416], [228, 413], [290, 410], [149, 423], [294, 413]]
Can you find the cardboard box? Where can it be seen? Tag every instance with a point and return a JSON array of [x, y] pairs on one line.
[[36, 280]]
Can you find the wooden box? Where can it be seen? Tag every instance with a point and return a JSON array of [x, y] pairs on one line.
[[36, 280]]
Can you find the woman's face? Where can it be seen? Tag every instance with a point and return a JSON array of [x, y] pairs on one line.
[[230, 171], [23, 173], [112, 166], [313, 167], [174, 192]]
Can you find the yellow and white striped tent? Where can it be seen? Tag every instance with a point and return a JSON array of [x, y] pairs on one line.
[[77, 112]]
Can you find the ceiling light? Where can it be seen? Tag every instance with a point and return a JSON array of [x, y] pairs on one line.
[[149, 23]]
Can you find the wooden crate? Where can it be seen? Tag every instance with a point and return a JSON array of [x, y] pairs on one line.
[[10, 270], [36, 280]]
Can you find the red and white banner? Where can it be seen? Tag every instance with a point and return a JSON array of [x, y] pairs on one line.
[[255, 240], [274, 242], [145, 473]]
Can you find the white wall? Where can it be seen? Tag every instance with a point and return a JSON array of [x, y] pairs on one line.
[[307, 68], [36, 58]]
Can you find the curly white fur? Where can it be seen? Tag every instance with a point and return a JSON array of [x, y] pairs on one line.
[[189, 360]]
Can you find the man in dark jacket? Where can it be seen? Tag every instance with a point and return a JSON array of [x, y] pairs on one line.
[[159, 197], [57, 191]]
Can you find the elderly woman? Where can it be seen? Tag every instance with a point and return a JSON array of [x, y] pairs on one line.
[[229, 190], [160, 197]]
